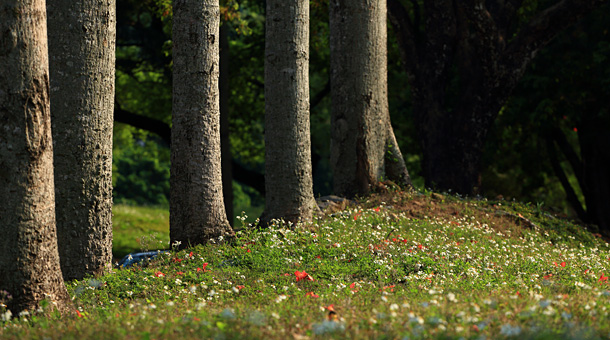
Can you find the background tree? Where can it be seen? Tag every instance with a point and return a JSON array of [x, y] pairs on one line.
[[82, 52], [29, 261], [363, 147], [559, 108], [197, 211], [288, 178], [463, 61]]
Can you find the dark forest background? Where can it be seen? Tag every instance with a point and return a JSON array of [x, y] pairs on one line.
[[552, 131]]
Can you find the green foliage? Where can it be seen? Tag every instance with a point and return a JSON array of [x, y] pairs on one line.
[[140, 168]]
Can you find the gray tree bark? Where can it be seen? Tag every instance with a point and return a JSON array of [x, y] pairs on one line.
[[363, 146], [197, 212], [288, 173], [29, 261], [82, 53]]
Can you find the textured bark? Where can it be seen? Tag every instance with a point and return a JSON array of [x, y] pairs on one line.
[[197, 212], [29, 261], [360, 122], [225, 141], [288, 173], [82, 53], [489, 49]]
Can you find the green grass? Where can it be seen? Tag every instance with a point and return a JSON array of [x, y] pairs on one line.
[[143, 228], [386, 274], [137, 228]]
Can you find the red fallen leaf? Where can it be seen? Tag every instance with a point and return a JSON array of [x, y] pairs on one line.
[[602, 278], [240, 287], [79, 313], [330, 307], [420, 246], [563, 264], [377, 209], [159, 274], [546, 277], [199, 270], [179, 273], [247, 251], [312, 294], [286, 274], [191, 254]]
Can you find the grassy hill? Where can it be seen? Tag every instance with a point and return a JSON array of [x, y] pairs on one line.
[[397, 265]]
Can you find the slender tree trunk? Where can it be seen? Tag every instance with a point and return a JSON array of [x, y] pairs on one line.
[[29, 261], [288, 173], [225, 141], [197, 212], [82, 48], [361, 131], [595, 166]]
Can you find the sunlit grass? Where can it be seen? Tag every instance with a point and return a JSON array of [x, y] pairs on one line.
[[139, 228], [384, 273]]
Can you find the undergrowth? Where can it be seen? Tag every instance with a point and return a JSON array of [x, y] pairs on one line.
[[397, 266]]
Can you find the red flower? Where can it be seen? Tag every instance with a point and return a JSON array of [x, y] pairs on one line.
[[191, 254], [546, 277], [240, 287], [312, 294], [602, 278], [330, 308], [247, 251], [377, 209], [563, 264], [159, 274], [420, 246], [202, 269], [302, 276], [179, 273]]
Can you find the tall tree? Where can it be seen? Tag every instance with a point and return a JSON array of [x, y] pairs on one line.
[[486, 46], [363, 146], [82, 52], [197, 212], [29, 261], [288, 181]]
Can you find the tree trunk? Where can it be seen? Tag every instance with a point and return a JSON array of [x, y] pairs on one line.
[[595, 183], [197, 212], [29, 261], [288, 173], [225, 141], [361, 133], [81, 48]]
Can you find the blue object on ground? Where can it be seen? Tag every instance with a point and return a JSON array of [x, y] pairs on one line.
[[133, 258]]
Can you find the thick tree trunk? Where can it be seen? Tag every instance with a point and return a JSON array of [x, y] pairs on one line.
[[288, 173], [29, 261], [197, 212], [361, 133], [81, 48], [225, 141]]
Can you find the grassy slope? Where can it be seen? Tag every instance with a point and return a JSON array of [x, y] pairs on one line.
[[396, 266]]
